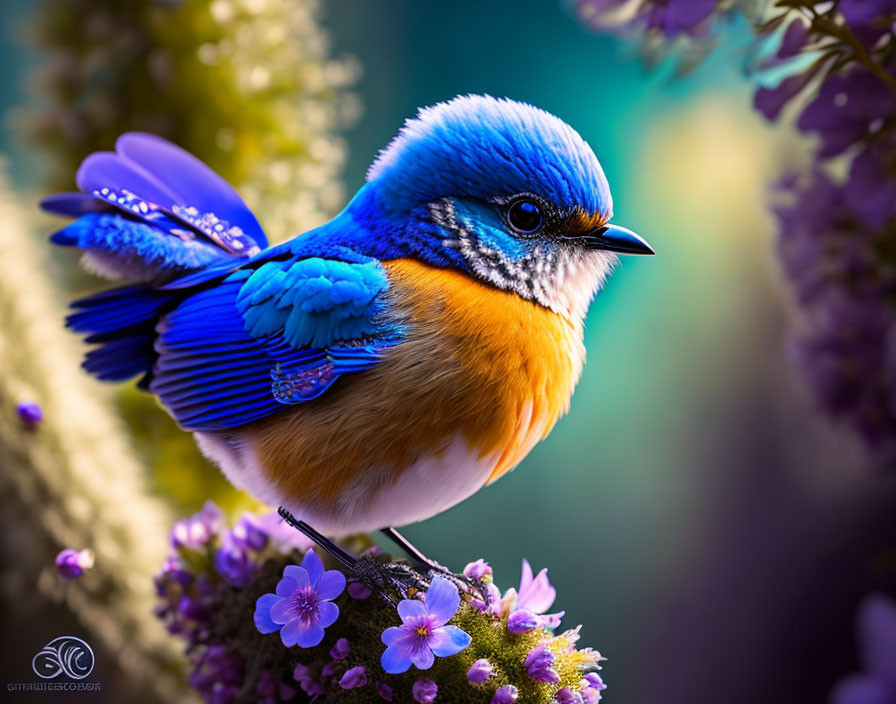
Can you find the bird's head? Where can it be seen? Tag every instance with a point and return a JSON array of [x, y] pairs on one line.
[[510, 192]]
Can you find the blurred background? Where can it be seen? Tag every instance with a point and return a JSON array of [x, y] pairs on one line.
[[712, 532]]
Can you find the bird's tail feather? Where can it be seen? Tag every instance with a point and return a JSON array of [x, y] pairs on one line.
[[148, 214], [121, 322]]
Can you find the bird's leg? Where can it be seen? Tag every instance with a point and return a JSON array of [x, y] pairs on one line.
[[429, 564], [408, 548], [340, 555], [377, 576]]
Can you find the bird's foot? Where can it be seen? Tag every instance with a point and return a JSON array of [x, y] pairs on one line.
[[378, 575], [428, 566], [386, 577]]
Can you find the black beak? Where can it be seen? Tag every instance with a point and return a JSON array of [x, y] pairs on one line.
[[617, 239]]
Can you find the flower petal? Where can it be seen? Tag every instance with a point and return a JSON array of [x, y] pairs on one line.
[[283, 611], [442, 600], [422, 658], [390, 635], [327, 613], [411, 609], [395, 660], [536, 594], [297, 574], [289, 634], [331, 584], [310, 635], [314, 566], [526, 576], [448, 640], [287, 585], [263, 621]]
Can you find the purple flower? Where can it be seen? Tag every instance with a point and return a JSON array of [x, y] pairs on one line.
[[506, 695], [233, 563], [424, 691], [794, 39], [682, 16], [331, 668], [302, 608], [218, 673], [195, 531], [535, 594], [250, 533], [521, 621], [534, 597], [423, 633], [477, 570], [861, 13], [845, 107], [30, 414], [877, 645], [771, 101], [540, 665], [73, 563], [566, 696], [592, 686], [359, 590], [340, 650], [480, 671], [493, 604], [308, 682], [870, 192], [354, 677], [384, 690]]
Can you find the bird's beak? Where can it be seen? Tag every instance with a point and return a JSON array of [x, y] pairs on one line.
[[617, 239]]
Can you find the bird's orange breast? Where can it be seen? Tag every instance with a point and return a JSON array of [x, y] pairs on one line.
[[477, 361]]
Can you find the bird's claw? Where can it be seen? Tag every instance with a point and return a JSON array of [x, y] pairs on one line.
[[384, 577]]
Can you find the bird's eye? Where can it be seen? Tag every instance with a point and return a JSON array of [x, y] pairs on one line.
[[525, 216]]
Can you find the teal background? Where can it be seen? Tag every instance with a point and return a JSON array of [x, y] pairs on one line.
[[697, 516]]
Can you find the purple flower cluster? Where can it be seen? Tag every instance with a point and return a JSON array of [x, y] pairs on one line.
[[835, 234], [524, 608], [265, 620], [197, 585], [846, 290], [835, 64]]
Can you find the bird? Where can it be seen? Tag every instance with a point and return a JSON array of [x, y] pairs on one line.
[[378, 369]]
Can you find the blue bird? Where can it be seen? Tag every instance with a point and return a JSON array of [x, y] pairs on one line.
[[384, 366]]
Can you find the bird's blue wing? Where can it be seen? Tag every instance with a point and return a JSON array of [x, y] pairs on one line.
[[312, 302], [266, 338]]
